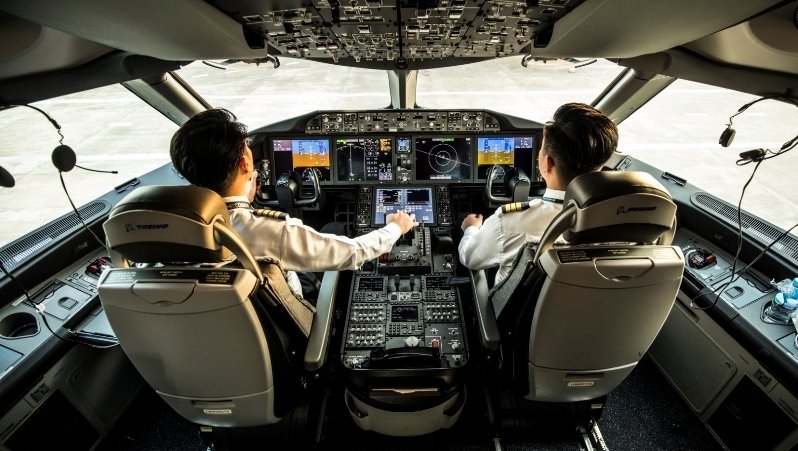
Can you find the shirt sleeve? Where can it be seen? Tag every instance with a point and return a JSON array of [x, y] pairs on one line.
[[302, 248], [480, 247]]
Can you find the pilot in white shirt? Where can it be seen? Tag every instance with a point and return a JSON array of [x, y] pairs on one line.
[[578, 140], [499, 240], [301, 248], [210, 150]]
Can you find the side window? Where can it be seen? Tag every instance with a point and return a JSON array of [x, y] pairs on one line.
[[109, 128], [678, 132]]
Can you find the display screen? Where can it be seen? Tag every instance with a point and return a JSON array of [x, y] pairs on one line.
[[300, 154], [364, 159], [403, 145], [404, 313], [370, 284], [444, 158], [506, 151], [412, 200]]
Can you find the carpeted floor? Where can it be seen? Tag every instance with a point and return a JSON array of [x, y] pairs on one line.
[[644, 413]]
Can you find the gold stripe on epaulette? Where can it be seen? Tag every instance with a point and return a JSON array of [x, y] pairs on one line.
[[274, 214], [515, 206]]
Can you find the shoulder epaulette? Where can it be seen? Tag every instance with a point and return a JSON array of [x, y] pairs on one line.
[[274, 214], [259, 211], [515, 206]]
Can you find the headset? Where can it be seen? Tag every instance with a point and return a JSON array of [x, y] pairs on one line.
[[64, 159], [728, 134], [699, 257]]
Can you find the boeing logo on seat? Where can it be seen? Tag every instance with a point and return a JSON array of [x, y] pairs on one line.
[[133, 227], [623, 209], [217, 411]]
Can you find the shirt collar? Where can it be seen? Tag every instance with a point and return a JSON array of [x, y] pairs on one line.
[[553, 195], [229, 199]]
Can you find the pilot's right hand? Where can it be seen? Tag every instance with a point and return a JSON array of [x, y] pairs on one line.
[[473, 219], [405, 221]]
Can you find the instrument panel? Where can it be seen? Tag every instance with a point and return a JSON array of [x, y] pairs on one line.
[[402, 146]]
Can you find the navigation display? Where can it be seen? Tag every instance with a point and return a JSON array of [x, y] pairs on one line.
[[364, 159], [417, 201], [506, 151], [300, 154], [443, 158]]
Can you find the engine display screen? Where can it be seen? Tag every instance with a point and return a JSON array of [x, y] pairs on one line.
[[364, 159], [301, 154], [443, 158], [404, 313], [506, 151], [417, 201]]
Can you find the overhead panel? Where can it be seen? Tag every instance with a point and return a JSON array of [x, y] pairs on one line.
[[399, 32]]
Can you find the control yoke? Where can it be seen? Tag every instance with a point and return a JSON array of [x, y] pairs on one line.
[[516, 185], [288, 189]]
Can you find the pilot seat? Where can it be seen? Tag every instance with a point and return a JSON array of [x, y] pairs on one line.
[[571, 321], [218, 335]]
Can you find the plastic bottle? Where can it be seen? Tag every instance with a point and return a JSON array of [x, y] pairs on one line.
[[786, 300]]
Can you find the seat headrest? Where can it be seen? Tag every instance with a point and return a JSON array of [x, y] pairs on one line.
[[618, 206], [168, 224]]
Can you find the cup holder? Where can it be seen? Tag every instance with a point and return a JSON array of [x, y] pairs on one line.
[[19, 325]]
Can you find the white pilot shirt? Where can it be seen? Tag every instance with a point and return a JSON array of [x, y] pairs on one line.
[[301, 248], [502, 235]]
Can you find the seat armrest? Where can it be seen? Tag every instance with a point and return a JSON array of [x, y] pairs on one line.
[[319, 339], [488, 328]]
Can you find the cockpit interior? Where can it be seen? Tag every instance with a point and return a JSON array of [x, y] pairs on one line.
[[652, 314]]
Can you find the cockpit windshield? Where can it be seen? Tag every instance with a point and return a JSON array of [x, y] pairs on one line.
[[677, 131]]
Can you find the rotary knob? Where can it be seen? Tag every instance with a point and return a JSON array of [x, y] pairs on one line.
[[411, 341]]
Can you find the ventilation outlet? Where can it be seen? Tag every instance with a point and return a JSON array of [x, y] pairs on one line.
[[753, 226], [21, 250]]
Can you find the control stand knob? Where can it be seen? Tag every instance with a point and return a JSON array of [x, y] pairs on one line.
[[411, 341]]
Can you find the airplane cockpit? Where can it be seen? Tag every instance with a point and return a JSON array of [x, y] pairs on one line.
[[406, 314], [651, 313]]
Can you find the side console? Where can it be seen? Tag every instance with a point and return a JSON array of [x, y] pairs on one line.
[[729, 353], [74, 392]]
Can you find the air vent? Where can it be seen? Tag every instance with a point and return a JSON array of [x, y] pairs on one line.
[[22, 249], [765, 232]]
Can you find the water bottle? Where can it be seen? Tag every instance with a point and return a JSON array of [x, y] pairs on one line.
[[785, 302]]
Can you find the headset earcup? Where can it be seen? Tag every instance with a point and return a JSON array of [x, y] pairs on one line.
[[727, 137], [64, 158]]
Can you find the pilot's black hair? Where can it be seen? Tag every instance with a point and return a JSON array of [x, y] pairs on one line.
[[580, 139], [207, 148]]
